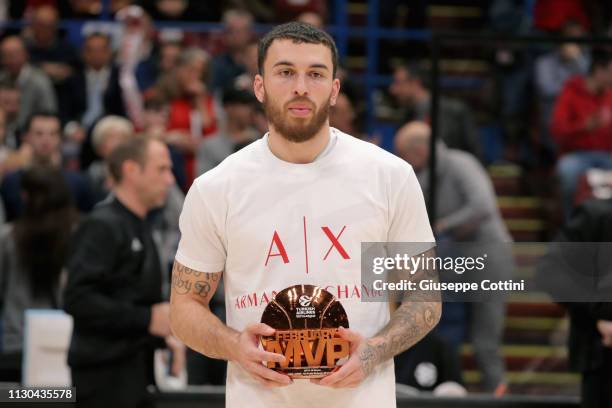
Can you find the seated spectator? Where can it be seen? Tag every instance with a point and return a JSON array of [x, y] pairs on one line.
[[137, 54], [93, 92], [109, 132], [582, 124], [249, 62], [155, 120], [55, 56], [456, 126], [33, 251], [193, 115], [42, 135], [551, 72], [36, 91], [466, 211], [237, 133], [238, 32]]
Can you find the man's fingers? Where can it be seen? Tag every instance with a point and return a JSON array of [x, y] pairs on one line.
[[260, 329], [261, 355], [349, 335], [352, 380], [268, 374], [343, 372]]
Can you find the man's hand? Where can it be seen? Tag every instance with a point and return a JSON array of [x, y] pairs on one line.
[[249, 356], [605, 329], [178, 355], [353, 372], [160, 320]]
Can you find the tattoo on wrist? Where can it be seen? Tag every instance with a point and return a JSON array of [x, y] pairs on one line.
[[408, 324]]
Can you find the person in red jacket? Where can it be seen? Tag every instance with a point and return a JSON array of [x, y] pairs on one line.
[[193, 113], [582, 125]]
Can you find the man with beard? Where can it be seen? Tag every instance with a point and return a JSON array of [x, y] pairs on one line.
[[293, 208]]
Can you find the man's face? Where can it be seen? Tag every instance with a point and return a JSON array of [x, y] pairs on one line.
[[14, 55], [297, 88], [9, 102], [189, 75], [44, 137], [238, 32], [168, 54], [97, 52], [44, 25], [403, 87], [154, 179]]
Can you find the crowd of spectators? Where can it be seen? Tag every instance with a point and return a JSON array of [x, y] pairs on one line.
[[65, 107]]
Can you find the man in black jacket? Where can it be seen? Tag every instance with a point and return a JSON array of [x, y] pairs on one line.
[[584, 251], [114, 284]]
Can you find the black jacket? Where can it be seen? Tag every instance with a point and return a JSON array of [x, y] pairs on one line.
[[114, 278], [591, 222]]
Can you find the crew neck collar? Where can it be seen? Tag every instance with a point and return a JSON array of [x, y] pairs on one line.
[[323, 157]]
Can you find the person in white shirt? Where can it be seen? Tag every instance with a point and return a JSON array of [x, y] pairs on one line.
[[293, 208]]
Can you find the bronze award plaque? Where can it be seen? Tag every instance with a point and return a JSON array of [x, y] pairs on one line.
[[306, 319]]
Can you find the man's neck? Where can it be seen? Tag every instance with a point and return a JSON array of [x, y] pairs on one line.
[[298, 153], [129, 199]]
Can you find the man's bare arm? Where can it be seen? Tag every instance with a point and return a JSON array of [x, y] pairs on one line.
[[190, 315], [194, 323], [417, 315]]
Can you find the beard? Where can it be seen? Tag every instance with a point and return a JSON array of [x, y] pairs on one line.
[[297, 130]]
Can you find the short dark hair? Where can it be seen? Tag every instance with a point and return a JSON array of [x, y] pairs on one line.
[[40, 114], [134, 149], [298, 32], [600, 58]]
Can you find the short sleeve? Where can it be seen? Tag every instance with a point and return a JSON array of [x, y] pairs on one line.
[[408, 219], [201, 223]]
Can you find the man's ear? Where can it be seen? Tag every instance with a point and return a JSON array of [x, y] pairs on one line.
[[258, 88], [335, 91], [129, 169]]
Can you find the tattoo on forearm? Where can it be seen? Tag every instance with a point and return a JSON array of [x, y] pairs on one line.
[[412, 320], [182, 280]]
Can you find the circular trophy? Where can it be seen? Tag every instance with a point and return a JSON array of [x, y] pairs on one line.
[[306, 319]]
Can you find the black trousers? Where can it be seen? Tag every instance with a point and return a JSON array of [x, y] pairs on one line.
[[121, 384], [597, 385]]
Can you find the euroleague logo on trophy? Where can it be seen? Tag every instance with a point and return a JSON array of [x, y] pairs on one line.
[[306, 319]]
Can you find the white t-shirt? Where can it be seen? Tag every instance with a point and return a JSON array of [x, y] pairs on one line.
[[269, 224]]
